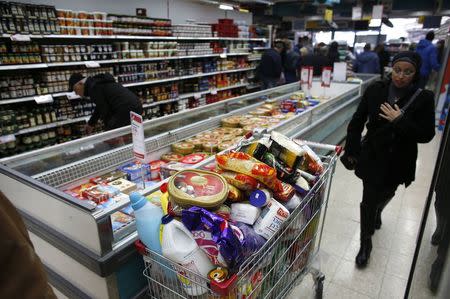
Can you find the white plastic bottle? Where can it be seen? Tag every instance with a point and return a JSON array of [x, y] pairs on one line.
[[178, 245]]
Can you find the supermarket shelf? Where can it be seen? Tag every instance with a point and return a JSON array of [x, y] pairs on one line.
[[111, 61], [63, 36], [261, 48], [254, 59], [12, 67], [187, 77], [253, 86], [18, 100], [192, 94], [52, 125]]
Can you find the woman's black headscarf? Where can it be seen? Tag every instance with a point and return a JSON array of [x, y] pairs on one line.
[[411, 57]]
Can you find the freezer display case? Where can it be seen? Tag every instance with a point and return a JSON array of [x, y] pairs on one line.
[[87, 245]]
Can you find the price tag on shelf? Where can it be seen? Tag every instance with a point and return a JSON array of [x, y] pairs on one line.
[[20, 38], [223, 55], [326, 76], [137, 132], [197, 95], [7, 138], [214, 91], [91, 64], [45, 99], [72, 96]]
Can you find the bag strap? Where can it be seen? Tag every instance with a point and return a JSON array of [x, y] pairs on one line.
[[411, 100]]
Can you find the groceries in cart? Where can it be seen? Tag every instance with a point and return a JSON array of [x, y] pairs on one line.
[[216, 220]]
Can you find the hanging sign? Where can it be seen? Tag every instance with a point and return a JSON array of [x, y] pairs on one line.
[[328, 16], [357, 13], [304, 75], [137, 132]]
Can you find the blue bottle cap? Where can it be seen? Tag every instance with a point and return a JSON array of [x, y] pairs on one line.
[[166, 219], [137, 200], [258, 198]]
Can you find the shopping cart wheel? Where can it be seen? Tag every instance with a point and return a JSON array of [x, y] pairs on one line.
[[319, 286]]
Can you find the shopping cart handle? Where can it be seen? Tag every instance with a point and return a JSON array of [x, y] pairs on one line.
[[140, 247], [225, 287]]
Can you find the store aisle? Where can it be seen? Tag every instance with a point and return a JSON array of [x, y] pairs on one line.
[[387, 273]]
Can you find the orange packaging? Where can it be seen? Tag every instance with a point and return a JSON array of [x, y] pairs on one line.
[[246, 164]]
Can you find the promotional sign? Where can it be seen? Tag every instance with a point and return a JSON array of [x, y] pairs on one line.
[[326, 76], [310, 76], [137, 132], [357, 13], [304, 75], [377, 12], [340, 71]]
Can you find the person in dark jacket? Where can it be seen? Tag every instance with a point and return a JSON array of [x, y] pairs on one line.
[[383, 58], [22, 275], [333, 54], [318, 60], [428, 53], [270, 66], [113, 102], [387, 156], [367, 62], [291, 65]]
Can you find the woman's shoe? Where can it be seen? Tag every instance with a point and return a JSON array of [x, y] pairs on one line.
[[364, 253]]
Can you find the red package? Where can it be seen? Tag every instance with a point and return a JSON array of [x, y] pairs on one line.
[[287, 193], [78, 191], [246, 164]]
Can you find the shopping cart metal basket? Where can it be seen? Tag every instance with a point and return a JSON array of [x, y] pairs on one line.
[[271, 272]]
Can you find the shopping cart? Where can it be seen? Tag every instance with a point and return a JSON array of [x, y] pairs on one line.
[[272, 271]]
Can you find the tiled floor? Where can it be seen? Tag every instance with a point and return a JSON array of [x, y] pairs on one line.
[[394, 244]]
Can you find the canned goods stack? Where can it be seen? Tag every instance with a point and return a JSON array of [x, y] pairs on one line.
[[83, 23], [192, 30], [27, 18], [136, 25]]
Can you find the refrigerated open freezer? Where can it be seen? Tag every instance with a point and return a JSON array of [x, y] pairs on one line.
[[84, 256]]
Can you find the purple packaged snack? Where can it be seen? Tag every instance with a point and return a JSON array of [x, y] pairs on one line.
[[222, 233], [252, 241]]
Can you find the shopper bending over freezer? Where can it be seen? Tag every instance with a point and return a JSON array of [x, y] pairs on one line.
[[113, 102], [399, 115]]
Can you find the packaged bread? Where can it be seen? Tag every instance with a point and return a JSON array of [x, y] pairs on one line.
[[241, 181], [183, 148], [231, 122], [200, 188], [171, 157], [123, 185], [243, 163]]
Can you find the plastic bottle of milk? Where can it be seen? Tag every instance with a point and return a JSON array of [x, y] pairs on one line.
[[178, 245], [148, 221]]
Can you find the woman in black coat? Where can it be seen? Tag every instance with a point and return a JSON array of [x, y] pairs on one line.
[[387, 155]]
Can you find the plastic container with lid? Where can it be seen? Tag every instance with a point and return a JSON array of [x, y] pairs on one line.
[[193, 187]]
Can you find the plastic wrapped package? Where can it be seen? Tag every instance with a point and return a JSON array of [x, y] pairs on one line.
[[252, 241], [227, 238], [234, 194], [246, 164], [241, 181]]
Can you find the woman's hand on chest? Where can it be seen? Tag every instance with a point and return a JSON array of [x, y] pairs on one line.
[[390, 113]]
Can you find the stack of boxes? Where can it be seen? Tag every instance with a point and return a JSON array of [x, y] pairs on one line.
[[225, 28]]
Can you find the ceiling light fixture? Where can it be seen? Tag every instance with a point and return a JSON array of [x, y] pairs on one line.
[[225, 7]]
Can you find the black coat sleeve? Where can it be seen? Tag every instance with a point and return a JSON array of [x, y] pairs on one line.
[[419, 125], [356, 126], [101, 106]]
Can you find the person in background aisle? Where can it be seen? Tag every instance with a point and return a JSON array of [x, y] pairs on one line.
[[318, 60], [440, 46], [291, 65], [367, 62], [383, 57], [428, 53], [387, 155], [304, 42], [270, 67], [113, 102], [333, 53], [22, 275]]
